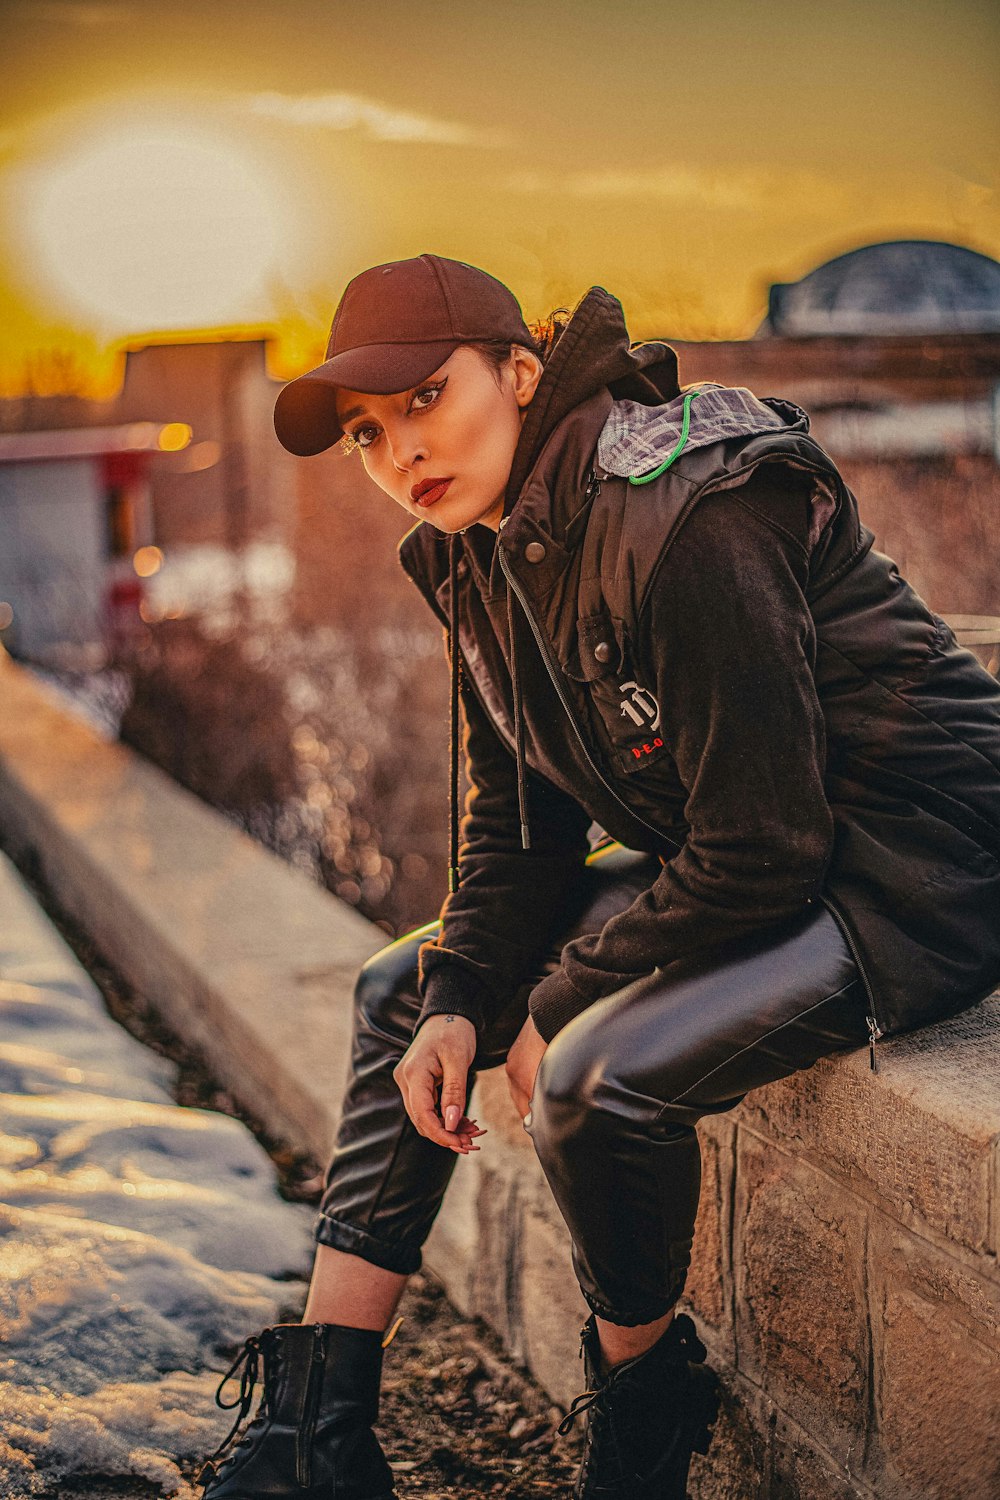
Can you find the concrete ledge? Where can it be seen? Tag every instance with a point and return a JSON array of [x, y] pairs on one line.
[[240, 953], [845, 1272]]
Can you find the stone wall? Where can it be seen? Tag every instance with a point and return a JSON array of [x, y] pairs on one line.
[[845, 1274]]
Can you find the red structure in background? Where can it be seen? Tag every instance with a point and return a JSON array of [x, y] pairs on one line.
[[76, 514], [125, 476]]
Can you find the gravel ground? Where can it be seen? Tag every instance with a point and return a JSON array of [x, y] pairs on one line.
[[463, 1416]]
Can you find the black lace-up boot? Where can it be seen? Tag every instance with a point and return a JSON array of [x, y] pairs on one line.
[[312, 1436], [645, 1418]]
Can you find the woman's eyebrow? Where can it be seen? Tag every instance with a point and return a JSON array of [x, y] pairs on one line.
[[353, 411]]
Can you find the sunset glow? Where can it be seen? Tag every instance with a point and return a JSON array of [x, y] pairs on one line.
[[161, 227], [212, 170]]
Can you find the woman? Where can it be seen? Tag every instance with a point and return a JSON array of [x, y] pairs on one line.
[[666, 619]]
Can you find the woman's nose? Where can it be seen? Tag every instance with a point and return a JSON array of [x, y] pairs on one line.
[[406, 454]]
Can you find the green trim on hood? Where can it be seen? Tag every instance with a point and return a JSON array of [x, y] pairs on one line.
[[685, 424]]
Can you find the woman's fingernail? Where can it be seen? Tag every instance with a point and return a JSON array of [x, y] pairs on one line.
[[452, 1115]]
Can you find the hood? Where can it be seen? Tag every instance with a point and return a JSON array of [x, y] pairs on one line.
[[592, 353], [637, 436]]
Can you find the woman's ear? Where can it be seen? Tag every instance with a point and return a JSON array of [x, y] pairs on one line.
[[526, 371]]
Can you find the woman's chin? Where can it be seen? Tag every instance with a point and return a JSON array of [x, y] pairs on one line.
[[452, 518]]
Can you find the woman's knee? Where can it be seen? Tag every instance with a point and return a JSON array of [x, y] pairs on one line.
[[568, 1100], [593, 1083], [386, 998]]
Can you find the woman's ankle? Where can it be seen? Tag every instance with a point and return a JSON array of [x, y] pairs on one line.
[[619, 1343], [352, 1292]]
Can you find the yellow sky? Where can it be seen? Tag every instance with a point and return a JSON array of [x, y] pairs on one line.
[[187, 166]]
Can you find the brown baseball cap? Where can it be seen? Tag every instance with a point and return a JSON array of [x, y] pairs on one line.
[[394, 326]]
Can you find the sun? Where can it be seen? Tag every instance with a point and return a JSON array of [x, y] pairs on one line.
[[154, 225]]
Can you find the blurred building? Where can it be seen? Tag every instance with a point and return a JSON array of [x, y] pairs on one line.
[[75, 536], [230, 487], [221, 512], [894, 351], [899, 287]]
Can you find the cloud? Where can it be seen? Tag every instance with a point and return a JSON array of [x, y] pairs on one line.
[[344, 111], [83, 16], [743, 189]]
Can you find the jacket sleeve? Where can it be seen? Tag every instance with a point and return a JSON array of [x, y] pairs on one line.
[[510, 902], [727, 631]]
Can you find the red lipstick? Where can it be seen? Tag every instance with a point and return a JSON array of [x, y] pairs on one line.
[[429, 491]]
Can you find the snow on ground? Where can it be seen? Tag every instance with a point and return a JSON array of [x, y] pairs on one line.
[[139, 1241]]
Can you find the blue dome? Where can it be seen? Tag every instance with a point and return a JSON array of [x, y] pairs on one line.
[[899, 287]]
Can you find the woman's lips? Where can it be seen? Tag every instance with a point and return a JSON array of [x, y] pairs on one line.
[[429, 494]]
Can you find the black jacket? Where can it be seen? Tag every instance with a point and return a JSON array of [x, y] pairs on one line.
[[719, 668]]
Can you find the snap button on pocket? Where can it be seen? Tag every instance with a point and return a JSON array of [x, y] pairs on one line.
[[534, 552], [599, 645]]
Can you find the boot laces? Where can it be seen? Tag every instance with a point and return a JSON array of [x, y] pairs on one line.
[[610, 1468], [584, 1402], [249, 1358], [596, 1401], [689, 1348]]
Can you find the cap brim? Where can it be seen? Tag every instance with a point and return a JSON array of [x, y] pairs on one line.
[[305, 411]]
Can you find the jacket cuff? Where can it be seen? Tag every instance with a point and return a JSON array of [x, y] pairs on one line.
[[553, 1003], [451, 990]]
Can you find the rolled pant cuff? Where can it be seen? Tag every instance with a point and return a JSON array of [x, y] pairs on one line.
[[354, 1241], [635, 1318]]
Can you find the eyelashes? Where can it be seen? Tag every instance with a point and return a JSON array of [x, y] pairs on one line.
[[352, 440]]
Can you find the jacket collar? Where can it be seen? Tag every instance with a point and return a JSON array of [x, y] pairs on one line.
[[592, 354]]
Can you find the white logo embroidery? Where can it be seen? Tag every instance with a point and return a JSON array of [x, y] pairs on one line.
[[641, 707]]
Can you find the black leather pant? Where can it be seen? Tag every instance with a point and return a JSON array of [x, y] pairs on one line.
[[616, 1097]]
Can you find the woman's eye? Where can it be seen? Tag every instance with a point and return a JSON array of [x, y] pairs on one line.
[[364, 436], [426, 395]]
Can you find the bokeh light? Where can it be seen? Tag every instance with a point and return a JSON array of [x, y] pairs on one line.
[[147, 561], [173, 437]]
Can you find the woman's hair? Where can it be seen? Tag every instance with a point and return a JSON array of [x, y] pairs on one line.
[[545, 334]]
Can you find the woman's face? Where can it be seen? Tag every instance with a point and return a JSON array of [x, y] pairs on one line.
[[443, 449]]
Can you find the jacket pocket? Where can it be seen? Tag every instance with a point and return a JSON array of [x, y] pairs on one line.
[[624, 709]]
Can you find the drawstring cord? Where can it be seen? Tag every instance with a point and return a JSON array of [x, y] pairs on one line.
[[455, 660], [515, 683], [519, 717], [685, 425], [456, 670]]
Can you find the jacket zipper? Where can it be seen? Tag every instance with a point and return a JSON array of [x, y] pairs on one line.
[[310, 1405], [874, 1029], [557, 684]]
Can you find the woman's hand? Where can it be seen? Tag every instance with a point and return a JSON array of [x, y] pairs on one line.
[[522, 1065], [432, 1076]]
